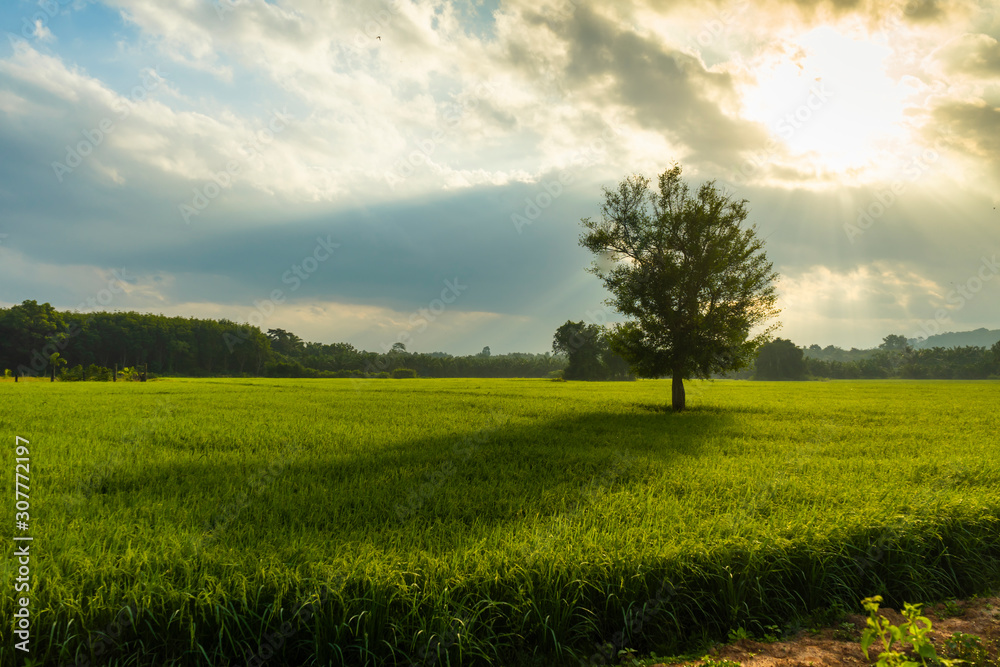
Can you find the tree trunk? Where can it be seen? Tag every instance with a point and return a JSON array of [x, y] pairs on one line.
[[52, 373], [677, 394]]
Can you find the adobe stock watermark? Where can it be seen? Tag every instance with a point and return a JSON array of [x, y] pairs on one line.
[[635, 621], [418, 496], [223, 7], [129, 444], [58, 342], [885, 198], [105, 295], [373, 27], [786, 128], [256, 485], [37, 24], [721, 24], [94, 137], [431, 654], [419, 321], [293, 277], [958, 297], [551, 190], [557, 528], [272, 643], [100, 643], [426, 147], [818, 96], [892, 23], [221, 180]]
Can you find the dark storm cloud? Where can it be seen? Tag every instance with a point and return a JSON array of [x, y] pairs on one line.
[[925, 11], [394, 256], [821, 10], [970, 128], [398, 256], [559, 78], [938, 238], [971, 55]]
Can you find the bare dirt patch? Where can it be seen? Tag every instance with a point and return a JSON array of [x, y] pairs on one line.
[[841, 645]]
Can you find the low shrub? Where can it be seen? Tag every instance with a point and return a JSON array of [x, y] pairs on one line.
[[98, 373], [969, 649], [127, 374], [74, 374]]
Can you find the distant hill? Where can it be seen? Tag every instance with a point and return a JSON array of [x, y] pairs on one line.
[[978, 338]]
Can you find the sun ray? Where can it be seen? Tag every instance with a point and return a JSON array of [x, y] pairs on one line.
[[829, 100]]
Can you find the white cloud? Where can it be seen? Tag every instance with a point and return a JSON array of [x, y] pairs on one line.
[[859, 307], [435, 105], [42, 33]]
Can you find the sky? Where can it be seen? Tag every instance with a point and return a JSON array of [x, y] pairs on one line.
[[417, 170]]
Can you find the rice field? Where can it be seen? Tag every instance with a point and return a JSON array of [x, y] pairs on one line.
[[466, 522]]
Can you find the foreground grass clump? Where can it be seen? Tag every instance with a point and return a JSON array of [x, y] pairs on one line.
[[486, 521]]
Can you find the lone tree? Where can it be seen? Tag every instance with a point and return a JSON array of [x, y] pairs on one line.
[[895, 343], [590, 355], [780, 360], [693, 282], [55, 361]]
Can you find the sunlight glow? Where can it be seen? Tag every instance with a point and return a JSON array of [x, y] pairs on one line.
[[827, 97]]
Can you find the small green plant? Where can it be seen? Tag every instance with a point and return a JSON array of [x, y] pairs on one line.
[[710, 662], [738, 634], [952, 609], [825, 617], [628, 656], [970, 649], [845, 632], [402, 373], [771, 634], [913, 632]]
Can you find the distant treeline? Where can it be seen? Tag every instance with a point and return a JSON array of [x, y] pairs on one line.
[[296, 358], [960, 363], [981, 337], [35, 338], [894, 358]]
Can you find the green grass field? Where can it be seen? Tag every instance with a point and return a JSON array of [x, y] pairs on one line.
[[483, 521]]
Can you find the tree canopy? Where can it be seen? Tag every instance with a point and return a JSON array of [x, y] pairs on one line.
[[894, 343], [693, 281], [32, 333], [589, 352], [780, 359]]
